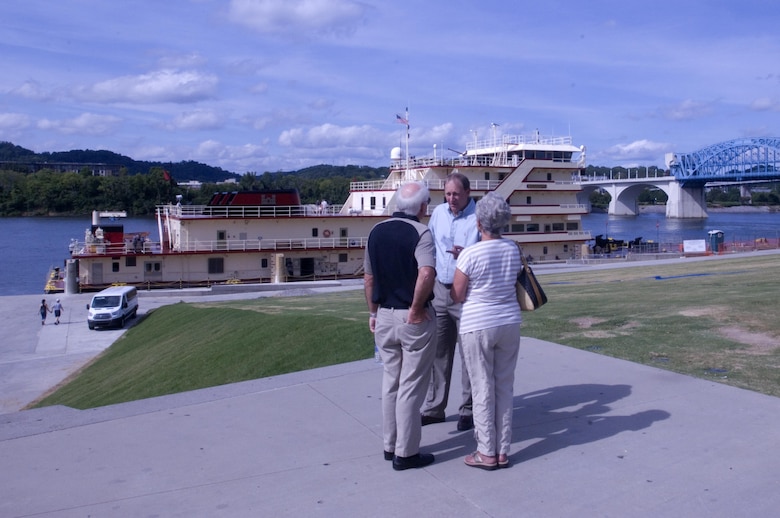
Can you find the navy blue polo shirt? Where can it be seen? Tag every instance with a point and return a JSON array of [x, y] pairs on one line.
[[397, 248]]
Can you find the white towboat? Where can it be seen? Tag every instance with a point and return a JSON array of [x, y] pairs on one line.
[[258, 237]]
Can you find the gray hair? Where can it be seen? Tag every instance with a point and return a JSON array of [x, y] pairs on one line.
[[410, 197], [493, 213]]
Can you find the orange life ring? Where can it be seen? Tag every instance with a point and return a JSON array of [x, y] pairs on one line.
[[326, 233]]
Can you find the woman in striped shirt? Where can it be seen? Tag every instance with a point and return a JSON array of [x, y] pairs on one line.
[[490, 330]]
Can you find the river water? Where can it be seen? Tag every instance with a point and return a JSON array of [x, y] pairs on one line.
[[31, 246]]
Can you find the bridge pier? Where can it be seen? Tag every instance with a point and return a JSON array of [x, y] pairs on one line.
[[682, 202], [621, 205], [686, 202]]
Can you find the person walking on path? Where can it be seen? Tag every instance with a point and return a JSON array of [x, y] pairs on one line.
[[398, 282], [454, 227], [57, 308], [490, 330], [44, 309]]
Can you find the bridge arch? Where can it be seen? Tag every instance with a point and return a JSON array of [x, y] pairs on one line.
[[733, 160], [744, 161], [623, 199]]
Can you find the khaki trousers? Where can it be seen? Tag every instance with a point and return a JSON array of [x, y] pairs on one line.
[[407, 352], [447, 321]]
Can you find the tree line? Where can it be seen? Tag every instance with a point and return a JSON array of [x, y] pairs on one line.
[[49, 193]]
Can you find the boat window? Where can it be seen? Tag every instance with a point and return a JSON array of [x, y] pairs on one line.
[[114, 267], [544, 250], [532, 227], [343, 258], [572, 226], [373, 202], [264, 263], [557, 227], [487, 175], [216, 265], [129, 261], [152, 267], [527, 200], [314, 232], [518, 227]]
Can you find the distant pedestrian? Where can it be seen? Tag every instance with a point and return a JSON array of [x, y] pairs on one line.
[[43, 310], [57, 307]]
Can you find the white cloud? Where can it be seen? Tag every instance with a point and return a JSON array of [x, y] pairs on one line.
[[329, 135], [162, 86], [688, 110], [297, 17], [154, 154], [638, 150], [198, 120], [235, 158], [32, 90], [84, 124], [177, 61], [14, 121], [259, 88], [765, 104]]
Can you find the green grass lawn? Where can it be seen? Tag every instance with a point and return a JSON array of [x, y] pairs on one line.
[[711, 319]]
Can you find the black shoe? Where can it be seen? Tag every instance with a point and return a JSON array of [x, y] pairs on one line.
[[465, 422], [429, 419], [415, 461], [389, 455]]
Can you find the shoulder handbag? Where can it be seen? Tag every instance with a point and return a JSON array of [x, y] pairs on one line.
[[530, 294]]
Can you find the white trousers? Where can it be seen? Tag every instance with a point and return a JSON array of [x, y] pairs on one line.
[[491, 358]]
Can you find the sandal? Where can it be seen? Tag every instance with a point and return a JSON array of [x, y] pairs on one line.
[[503, 463], [475, 460]]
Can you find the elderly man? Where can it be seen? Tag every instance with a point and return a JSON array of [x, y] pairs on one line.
[[399, 278], [454, 227]]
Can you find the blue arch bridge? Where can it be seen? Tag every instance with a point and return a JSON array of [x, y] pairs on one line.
[[743, 161]]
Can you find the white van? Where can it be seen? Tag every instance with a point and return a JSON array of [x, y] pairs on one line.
[[112, 307]]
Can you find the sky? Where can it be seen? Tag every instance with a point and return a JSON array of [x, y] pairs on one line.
[[270, 85]]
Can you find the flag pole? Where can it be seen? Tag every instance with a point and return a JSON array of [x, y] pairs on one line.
[[407, 141]]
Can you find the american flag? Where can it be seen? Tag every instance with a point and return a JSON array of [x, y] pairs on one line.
[[400, 119]]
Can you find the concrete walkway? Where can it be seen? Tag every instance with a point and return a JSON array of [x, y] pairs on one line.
[[593, 436]]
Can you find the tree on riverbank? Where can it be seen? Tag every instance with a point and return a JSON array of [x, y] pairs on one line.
[[50, 193]]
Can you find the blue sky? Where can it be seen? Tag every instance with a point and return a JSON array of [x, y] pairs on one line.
[[267, 85]]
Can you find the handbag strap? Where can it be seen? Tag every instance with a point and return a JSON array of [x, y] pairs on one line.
[[522, 257]]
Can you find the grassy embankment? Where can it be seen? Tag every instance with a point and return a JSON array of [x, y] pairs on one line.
[[711, 319]]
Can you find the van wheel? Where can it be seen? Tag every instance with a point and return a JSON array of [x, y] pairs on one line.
[[90, 325]]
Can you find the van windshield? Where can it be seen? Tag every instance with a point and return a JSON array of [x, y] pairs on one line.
[[110, 301]]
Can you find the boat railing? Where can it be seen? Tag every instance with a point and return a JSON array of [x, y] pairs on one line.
[[374, 185], [488, 160], [514, 140], [252, 245], [82, 249], [254, 211]]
